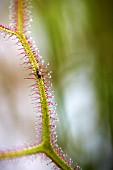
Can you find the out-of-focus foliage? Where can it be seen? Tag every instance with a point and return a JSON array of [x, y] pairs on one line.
[[79, 36]]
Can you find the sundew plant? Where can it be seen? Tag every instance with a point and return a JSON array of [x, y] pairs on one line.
[[42, 94]]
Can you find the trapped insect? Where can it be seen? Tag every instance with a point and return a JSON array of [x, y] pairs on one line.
[[38, 73]]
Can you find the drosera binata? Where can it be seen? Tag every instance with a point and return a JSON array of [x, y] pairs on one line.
[[41, 89]]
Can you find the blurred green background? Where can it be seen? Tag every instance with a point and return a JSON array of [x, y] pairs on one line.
[[76, 38]]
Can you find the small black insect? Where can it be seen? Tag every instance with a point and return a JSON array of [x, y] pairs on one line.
[[38, 73]]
